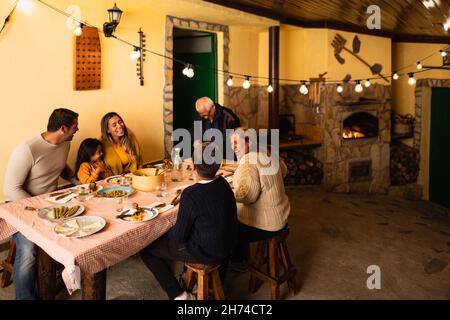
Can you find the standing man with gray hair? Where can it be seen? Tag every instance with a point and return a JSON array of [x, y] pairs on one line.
[[34, 168], [214, 116]]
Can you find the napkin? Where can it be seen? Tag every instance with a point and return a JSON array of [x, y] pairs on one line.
[[61, 200]]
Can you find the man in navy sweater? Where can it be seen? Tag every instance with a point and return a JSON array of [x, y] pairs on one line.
[[205, 230]]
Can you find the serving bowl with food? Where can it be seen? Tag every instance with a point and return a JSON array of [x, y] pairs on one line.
[[148, 179]]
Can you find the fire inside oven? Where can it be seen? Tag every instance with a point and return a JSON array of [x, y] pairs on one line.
[[360, 125]]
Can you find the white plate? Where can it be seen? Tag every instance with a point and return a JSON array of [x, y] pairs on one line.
[[47, 213], [77, 189], [114, 180], [150, 213], [79, 227]]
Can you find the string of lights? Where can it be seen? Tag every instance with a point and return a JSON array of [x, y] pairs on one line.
[[188, 71]]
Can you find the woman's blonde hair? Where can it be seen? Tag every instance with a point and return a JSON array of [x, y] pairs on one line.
[[125, 141]]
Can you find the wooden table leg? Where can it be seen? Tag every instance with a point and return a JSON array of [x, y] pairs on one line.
[[46, 275], [93, 286]]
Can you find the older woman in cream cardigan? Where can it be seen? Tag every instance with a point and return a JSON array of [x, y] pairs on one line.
[[263, 206]]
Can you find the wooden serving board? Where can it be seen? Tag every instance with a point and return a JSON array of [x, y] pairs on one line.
[[87, 60]]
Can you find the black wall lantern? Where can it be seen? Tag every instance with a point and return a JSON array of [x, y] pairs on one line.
[[114, 18]]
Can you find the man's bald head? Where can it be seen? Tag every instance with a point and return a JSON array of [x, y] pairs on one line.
[[205, 107]]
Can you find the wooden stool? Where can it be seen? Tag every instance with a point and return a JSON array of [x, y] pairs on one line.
[[206, 275], [274, 253], [7, 265]]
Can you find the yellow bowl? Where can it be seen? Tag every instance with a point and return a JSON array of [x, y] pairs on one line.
[[145, 179]]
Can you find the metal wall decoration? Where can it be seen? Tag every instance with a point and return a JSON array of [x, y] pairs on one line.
[[87, 60], [339, 44], [140, 61]]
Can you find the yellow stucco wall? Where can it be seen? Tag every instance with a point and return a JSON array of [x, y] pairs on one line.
[[36, 62]]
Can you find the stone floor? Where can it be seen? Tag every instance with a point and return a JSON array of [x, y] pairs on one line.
[[334, 239]]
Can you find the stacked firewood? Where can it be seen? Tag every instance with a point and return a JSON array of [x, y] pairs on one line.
[[303, 168], [404, 164]]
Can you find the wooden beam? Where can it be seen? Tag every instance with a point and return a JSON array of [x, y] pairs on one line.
[[327, 24], [274, 75]]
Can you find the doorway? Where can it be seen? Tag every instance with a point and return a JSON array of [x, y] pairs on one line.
[[439, 189], [200, 49]]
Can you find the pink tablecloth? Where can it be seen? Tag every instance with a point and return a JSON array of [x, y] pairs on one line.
[[116, 242]]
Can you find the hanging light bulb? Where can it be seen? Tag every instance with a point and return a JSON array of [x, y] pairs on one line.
[[395, 76], [25, 6], [230, 81], [411, 80], [78, 30], [339, 88], [135, 54], [419, 65], [190, 72], [358, 87], [246, 83], [270, 88], [443, 53], [367, 83], [303, 88], [186, 70]]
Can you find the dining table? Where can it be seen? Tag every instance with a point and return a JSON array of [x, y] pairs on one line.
[[85, 260]]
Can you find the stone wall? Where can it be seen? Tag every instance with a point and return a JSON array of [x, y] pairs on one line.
[[337, 154]]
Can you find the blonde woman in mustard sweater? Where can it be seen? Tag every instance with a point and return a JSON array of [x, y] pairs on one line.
[[263, 206], [122, 152]]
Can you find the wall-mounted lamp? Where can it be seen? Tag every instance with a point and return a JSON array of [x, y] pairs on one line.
[[114, 19]]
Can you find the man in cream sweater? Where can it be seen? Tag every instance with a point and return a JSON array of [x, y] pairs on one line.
[[34, 168], [263, 206]]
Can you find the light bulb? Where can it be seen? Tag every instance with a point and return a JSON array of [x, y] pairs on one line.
[[339, 88], [246, 84], [395, 76], [230, 81], [135, 54], [190, 72], [419, 65], [185, 70], [78, 31], [270, 88], [367, 83], [303, 88], [25, 6], [411, 80], [443, 53], [358, 87]]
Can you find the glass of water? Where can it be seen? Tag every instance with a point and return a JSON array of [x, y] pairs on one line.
[[121, 202]]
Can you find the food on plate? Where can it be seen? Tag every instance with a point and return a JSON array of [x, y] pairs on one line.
[[95, 225], [63, 212], [115, 194], [68, 228], [139, 214]]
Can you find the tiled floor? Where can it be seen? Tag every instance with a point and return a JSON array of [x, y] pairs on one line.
[[334, 239]]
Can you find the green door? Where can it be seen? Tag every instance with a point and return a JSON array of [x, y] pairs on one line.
[[204, 83], [440, 147]]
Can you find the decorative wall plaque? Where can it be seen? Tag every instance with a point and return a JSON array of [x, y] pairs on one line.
[[87, 60]]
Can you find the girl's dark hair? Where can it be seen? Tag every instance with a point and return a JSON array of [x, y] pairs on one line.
[[86, 151]]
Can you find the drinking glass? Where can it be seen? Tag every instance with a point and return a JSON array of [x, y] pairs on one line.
[[121, 202]]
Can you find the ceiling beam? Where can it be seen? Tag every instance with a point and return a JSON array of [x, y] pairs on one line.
[[336, 25]]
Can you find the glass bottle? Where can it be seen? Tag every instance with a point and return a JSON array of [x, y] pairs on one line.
[[177, 172]]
